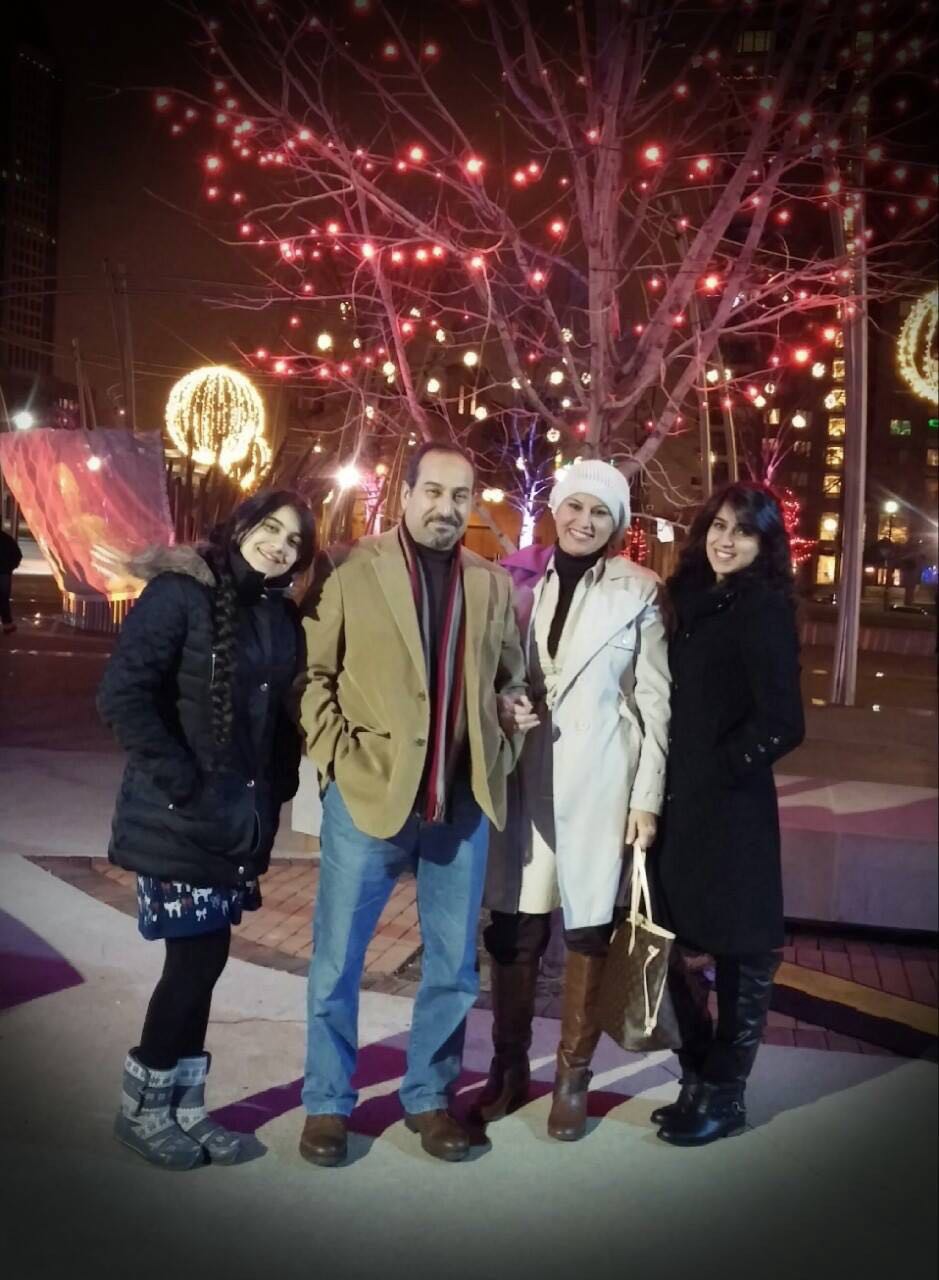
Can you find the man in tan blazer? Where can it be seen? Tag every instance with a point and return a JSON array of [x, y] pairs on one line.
[[413, 714]]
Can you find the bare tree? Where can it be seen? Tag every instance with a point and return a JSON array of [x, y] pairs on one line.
[[555, 229]]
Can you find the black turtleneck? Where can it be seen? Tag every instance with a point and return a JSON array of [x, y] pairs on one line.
[[437, 566], [570, 569]]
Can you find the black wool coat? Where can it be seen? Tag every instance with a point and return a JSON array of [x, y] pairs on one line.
[[736, 709], [187, 809]]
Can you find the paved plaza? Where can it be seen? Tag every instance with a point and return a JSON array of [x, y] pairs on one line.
[[836, 1175]]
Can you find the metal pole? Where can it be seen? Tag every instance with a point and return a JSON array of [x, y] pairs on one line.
[[80, 386], [130, 387], [856, 331], [844, 664]]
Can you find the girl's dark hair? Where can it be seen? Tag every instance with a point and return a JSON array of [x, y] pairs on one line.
[[226, 535], [758, 512]]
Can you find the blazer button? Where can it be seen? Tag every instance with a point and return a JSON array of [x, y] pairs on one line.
[[749, 759], [171, 805], [241, 871], [422, 696], [420, 742], [250, 782], [264, 687]]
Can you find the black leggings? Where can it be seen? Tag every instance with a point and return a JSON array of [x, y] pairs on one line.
[[178, 1013]]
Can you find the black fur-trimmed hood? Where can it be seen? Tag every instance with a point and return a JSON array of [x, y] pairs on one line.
[[185, 559]]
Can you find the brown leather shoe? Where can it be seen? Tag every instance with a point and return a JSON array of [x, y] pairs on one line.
[[323, 1140], [441, 1135]]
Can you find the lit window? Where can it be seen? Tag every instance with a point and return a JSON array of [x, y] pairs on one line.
[[835, 428], [932, 459], [828, 526], [831, 486], [835, 398], [901, 427], [755, 42], [825, 571], [802, 447], [834, 456], [774, 417], [837, 370], [892, 528]]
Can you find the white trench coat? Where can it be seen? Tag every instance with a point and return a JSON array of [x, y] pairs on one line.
[[599, 752]]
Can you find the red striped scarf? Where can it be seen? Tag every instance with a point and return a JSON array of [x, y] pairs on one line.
[[448, 716]]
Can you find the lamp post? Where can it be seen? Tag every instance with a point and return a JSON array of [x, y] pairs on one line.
[[890, 508]]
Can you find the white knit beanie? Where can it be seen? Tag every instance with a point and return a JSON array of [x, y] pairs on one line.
[[601, 481]]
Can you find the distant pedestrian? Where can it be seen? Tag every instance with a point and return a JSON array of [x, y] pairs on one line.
[[198, 693], [10, 558], [736, 710]]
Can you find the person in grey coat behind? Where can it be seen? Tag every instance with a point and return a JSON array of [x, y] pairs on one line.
[[736, 710], [10, 558], [590, 781]]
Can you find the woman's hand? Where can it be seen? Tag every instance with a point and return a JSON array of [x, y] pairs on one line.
[[641, 826], [516, 714]]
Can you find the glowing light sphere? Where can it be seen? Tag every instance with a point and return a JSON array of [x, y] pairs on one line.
[[214, 415], [916, 348]]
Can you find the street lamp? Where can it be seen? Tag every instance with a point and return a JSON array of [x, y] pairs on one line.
[[23, 420], [890, 508]]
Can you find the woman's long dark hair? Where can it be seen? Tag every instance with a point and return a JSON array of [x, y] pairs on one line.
[[224, 537], [758, 512]]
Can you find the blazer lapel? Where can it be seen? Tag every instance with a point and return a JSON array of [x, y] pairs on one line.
[[607, 610], [475, 603], [392, 574]]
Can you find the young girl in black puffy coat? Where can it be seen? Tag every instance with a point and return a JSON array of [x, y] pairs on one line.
[[198, 693]]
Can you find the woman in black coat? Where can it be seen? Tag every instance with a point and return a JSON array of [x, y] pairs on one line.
[[198, 693], [736, 710]]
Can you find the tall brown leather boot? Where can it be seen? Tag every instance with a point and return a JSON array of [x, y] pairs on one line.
[[567, 1120], [513, 1008]]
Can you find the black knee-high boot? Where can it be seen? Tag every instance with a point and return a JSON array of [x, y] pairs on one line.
[[688, 988], [717, 1110]]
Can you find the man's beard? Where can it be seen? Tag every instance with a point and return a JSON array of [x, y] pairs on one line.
[[443, 535]]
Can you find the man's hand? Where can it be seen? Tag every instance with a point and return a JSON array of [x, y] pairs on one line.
[[516, 714], [640, 826]]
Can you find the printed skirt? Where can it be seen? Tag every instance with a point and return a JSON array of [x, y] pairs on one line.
[[173, 909]]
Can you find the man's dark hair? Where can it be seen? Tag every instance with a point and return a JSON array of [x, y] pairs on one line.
[[433, 446]]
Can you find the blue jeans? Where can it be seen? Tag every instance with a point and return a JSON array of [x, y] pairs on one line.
[[357, 875]]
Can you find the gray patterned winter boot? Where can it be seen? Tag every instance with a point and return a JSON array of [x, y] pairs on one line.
[[220, 1145], [144, 1122]]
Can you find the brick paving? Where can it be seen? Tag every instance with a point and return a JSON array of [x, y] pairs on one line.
[[279, 935]]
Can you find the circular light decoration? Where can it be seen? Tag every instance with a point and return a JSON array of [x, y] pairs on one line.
[[214, 415], [916, 348]]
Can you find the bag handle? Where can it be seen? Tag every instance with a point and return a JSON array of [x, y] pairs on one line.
[[640, 902]]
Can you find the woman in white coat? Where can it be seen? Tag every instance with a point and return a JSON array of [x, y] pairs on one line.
[[589, 783]]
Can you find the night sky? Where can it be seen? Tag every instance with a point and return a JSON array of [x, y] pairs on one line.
[[119, 166]]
